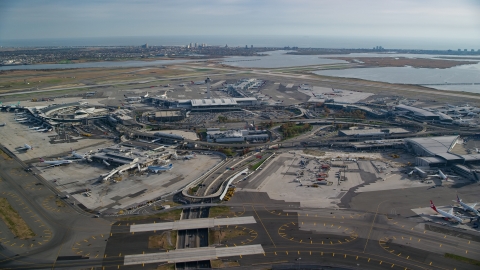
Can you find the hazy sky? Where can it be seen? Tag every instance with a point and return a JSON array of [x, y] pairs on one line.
[[444, 19]]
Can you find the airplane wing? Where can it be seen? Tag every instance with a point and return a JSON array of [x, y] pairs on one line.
[[49, 166], [473, 205], [452, 176], [434, 175], [450, 212]]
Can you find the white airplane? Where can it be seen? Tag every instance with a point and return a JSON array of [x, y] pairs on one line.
[[78, 155], [189, 156], [54, 163], [467, 207], [157, 169], [447, 215], [198, 82], [26, 147], [443, 176], [132, 98], [164, 95]]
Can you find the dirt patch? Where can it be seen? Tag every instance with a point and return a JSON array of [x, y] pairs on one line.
[[217, 236], [169, 266], [4, 155], [60, 203], [14, 221], [402, 61], [165, 240], [314, 152], [222, 264], [217, 211]]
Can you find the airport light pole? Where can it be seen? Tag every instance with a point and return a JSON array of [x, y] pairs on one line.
[[207, 81]]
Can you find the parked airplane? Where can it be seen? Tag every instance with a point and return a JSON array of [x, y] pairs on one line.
[[198, 82], [132, 98], [467, 207], [26, 147], [79, 155], [443, 176], [163, 96], [157, 169], [54, 163], [447, 215], [337, 91], [189, 156]]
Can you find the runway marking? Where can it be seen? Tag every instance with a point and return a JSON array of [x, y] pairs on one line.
[[253, 207]]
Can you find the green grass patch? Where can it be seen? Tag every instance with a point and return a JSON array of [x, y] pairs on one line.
[[290, 130], [14, 221], [193, 190], [216, 211], [462, 259], [258, 164]]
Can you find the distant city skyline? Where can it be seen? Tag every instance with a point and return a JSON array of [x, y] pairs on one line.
[[457, 22]]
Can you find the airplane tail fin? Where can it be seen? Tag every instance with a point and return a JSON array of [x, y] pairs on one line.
[[42, 160], [458, 199], [171, 165], [432, 205]]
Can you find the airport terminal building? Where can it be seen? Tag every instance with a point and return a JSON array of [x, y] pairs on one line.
[[210, 105], [437, 152]]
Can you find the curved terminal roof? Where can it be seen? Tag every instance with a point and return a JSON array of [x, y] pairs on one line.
[[415, 110], [437, 146]]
